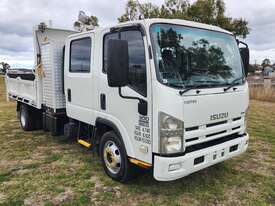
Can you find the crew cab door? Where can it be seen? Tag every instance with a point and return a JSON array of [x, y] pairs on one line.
[[79, 77]]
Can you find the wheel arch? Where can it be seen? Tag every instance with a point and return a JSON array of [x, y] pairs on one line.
[[105, 125]]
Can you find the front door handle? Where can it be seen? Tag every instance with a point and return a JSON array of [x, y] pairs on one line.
[[69, 95], [103, 101]]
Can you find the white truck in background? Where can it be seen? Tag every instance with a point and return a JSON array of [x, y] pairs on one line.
[[170, 95]]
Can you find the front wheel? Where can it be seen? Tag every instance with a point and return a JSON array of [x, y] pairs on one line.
[[114, 158]]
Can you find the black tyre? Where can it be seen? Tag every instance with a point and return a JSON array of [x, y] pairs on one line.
[[71, 131], [30, 118], [114, 158], [25, 118]]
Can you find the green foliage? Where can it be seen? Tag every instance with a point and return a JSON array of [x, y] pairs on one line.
[[204, 11], [94, 20], [266, 62], [4, 176], [13, 203], [130, 12], [5, 67]]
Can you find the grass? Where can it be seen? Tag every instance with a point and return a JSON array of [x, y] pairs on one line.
[[259, 93], [38, 169]]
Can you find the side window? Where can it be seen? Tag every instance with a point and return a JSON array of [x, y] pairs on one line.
[[80, 55], [137, 65]]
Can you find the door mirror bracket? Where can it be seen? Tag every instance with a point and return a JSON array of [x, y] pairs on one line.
[[142, 105]]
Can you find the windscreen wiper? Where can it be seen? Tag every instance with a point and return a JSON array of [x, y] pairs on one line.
[[233, 83], [190, 88]]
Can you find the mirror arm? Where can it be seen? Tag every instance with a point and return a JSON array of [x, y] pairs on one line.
[[142, 105], [128, 97]]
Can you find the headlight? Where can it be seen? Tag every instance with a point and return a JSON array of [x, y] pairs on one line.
[[171, 134]]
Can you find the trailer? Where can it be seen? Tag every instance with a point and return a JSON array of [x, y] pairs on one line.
[[162, 94]]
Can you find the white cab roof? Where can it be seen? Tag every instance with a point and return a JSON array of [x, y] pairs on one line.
[[178, 22], [147, 22]]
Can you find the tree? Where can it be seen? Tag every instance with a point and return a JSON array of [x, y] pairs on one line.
[[252, 68], [266, 62], [131, 12], [5, 67], [94, 20], [204, 11], [85, 22]]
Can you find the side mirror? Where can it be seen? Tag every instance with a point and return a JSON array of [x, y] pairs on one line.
[[245, 57], [117, 63]]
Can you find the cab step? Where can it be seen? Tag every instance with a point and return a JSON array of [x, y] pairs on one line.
[[84, 143]]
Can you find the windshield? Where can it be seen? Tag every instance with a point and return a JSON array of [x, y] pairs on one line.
[[187, 56]]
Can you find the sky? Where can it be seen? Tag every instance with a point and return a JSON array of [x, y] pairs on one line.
[[17, 18]]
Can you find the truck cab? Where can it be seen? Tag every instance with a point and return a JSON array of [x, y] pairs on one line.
[[170, 95]]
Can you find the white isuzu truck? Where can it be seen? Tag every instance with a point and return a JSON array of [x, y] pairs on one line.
[[170, 95]]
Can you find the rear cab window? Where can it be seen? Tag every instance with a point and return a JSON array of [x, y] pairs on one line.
[[80, 55]]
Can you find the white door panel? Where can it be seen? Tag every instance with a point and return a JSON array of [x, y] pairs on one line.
[[138, 127], [80, 79], [138, 133]]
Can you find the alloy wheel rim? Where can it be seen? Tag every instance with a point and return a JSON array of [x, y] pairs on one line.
[[112, 157]]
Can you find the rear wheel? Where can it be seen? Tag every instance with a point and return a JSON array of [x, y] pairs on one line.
[[25, 119], [30, 118], [114, 158]]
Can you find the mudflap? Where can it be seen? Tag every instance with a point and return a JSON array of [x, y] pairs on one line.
[[54, 122]]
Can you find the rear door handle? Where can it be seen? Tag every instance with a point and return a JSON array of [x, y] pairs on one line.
[[69, 95]]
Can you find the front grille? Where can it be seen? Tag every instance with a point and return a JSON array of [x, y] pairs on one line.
[[211, 143], [191, 129], [216, 124], [192, 139], [237, 118], [236, 128], [217, 133], [202, 133]]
